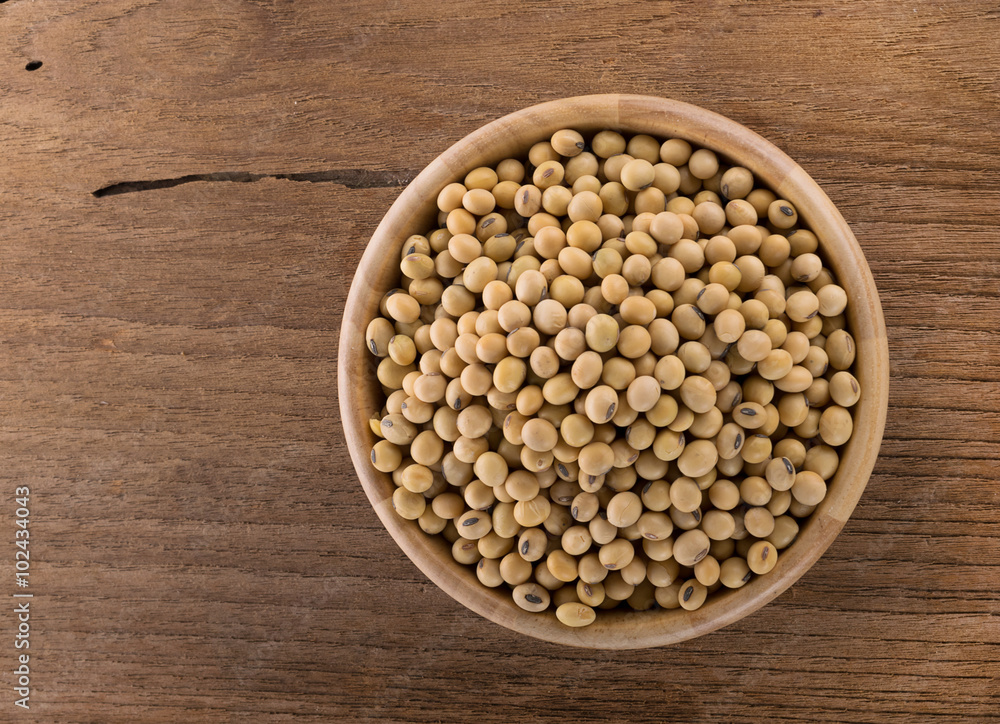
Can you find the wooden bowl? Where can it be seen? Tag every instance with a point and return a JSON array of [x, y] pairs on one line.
[[415, 211]]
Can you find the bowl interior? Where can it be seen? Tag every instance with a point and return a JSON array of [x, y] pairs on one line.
[[415, 212]]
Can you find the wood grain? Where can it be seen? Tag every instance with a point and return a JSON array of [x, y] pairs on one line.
[[201, 549]]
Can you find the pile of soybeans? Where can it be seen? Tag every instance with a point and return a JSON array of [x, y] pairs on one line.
[[616, 372]]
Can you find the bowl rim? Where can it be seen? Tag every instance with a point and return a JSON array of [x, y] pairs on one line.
[[412, 211]]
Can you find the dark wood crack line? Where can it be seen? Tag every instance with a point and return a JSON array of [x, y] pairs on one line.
[[352, 178]]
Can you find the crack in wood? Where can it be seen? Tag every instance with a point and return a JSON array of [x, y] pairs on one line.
[[352, 178]]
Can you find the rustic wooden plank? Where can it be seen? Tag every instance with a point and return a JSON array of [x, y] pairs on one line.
[[191, 544], [240, 77], [201, 549]]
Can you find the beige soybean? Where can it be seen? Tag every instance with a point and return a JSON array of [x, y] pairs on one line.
[[474, 524], [802, 306], [584, 507], [576, 540], [690, 547], [760, 199], [840, 349], [567, 142], [624, 509], [736, 183], [729, 325], [835, 425], [734, 573], [644, 392], [408, 504], [844, 389], [759, 522], [707, 570], [427, 448], [822, 460], [530, 513], [785, 531], [809, 488], [561, 565], [602, 333], [698, 458], [575, 614], [757, 448], [762, 557], [653, 525], [707, 424], [637, 174], [685, 495], [832, 300], [697, 393], [378, 336], [644, 146], [386, 456], [754, 345], [398, 430], [596, 458], [782, 214], [616, 554], [798, 379], [691, 594], [749, 415], [703, 163], [601, 404], [779, 503], [545, 578], [591, 570], [780, 473]]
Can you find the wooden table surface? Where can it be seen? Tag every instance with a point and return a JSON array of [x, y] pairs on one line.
[[187, 187]]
